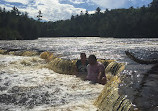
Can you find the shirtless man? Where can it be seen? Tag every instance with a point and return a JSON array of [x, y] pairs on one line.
[[96, 71]]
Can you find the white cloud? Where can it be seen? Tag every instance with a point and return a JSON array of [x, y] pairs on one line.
[[51, 10], [18, 1], [6, 6], [77, 1], [111, 4]]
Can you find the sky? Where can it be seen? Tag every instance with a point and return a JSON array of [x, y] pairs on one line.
[[54, 10]]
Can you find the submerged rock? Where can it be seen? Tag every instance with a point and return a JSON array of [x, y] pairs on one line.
[[145, 93]]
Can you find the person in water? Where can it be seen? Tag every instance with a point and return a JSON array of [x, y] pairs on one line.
[[96, 71], [81, 66]]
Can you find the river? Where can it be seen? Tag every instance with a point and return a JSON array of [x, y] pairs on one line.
[[26, 83]]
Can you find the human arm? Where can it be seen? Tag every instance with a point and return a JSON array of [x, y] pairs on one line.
[[99, 75], [101, 72], [102, 78]]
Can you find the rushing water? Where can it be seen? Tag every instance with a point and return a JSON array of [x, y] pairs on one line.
[[26, 83]]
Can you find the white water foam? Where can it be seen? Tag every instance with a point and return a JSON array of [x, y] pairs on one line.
[[37, 88]]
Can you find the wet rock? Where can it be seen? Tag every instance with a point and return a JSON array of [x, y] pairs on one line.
[[7, 83], [2, 72], [6, 98], [6, 77], [15, 76], [144, 92], [47, 94], [14, 89], [2, 88], [23, 100], [111, 100]]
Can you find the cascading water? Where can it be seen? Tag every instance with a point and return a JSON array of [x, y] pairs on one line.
[[27, 83]]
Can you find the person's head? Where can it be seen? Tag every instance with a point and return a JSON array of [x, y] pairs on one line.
[[92, 59], [83, 56]]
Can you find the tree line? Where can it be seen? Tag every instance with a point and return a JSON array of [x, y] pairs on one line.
[[15, 25], [124, 23]]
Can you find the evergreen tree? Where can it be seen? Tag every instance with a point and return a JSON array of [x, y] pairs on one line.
[[132, 22], [39, 16], [154, 4], [14, 25], [98, 10]]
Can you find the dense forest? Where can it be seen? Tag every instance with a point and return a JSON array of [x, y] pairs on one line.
[[17, 25], [132, 22]]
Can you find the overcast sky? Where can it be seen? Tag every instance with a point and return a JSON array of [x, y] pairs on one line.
[[54, 10]]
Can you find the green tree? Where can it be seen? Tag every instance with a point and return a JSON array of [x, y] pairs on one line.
[[98, 10], [39, 16], [154, 4]]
